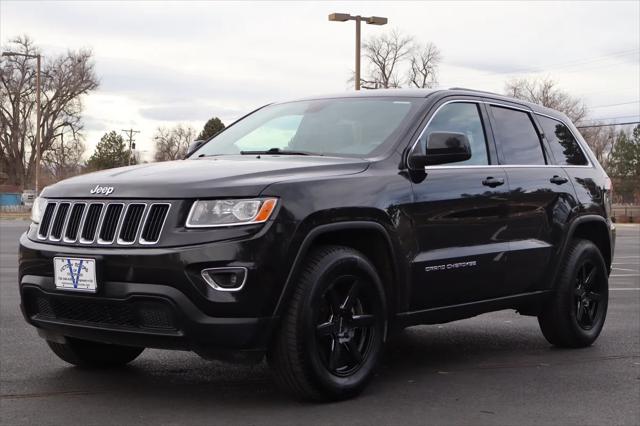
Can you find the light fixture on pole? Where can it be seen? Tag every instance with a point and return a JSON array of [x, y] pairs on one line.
[[372, 20], [38, 59]]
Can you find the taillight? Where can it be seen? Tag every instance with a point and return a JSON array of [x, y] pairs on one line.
[[608, 195]]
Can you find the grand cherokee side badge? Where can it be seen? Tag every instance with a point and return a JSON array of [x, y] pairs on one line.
[[449, 266], [106, 190]]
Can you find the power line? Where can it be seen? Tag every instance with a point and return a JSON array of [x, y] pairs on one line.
[[637, 102], [563, 65], [614, 118], [608, 125]]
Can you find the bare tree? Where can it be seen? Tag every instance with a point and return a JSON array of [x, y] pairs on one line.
[[172, 143], [601, 141], [64, 158], [546, 93], [384, 53], [424, 62], [64, 80]]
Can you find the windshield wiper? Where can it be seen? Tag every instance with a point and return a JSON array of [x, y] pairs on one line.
[[278, 151]]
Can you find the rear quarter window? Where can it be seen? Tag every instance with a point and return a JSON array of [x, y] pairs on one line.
[[563, 144]]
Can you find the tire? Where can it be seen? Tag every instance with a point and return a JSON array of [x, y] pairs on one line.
[[86, 354], [575, 316], [333, 331]]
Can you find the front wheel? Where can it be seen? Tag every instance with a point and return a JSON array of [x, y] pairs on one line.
[[332, 334], [86, 354], [575, 316]]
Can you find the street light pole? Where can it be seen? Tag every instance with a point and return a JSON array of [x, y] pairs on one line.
[[38, 59], [358, 20], [373, 20]]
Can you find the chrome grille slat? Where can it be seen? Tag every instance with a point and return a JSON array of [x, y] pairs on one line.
[[59, 222], [154, 222], [45, 223], [110, 223], [92, 220], [104, 223], [131, 223], [73, 223]]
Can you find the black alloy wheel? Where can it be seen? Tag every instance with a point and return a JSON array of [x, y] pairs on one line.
[[345, 326], [587, 295], [332, 334]]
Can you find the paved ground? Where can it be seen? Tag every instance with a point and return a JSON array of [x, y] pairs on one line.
[[493, 369]]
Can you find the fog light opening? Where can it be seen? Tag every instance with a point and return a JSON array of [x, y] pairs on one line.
[[225, 279]]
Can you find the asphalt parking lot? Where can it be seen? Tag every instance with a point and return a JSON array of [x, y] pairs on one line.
[[493, 369]]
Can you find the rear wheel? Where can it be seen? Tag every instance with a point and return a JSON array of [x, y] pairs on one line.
[[576, 315], [84, 353], [332, 334]]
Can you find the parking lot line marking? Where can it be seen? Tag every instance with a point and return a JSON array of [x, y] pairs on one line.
[[624, 275], [623, 269], [625, 288]]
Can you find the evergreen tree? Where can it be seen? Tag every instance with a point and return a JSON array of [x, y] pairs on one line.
[[624, 164], [213, 126], [110, 152], [625, 156]]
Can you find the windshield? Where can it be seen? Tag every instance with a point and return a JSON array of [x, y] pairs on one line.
[[337, 127]]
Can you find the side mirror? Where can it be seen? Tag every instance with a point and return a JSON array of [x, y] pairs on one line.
[[447, 147], [193, 147], [443, 148]]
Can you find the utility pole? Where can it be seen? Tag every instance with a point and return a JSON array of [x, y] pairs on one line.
[[132, 145]]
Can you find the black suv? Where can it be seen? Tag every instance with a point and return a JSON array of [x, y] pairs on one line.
[[311, 230]]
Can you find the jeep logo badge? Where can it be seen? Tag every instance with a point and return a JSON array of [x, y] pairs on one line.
[[106, 190]]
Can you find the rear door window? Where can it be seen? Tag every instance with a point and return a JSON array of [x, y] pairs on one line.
[[517, 137], [564, 146]]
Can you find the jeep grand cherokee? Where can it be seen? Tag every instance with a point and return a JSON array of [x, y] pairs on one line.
[[310, 230]]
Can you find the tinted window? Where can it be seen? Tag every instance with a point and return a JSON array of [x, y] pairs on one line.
[[517, 137], [564, 146], [464, 118], [341, 127]]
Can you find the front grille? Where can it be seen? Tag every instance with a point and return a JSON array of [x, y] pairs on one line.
[[103, 223], [118, 314]]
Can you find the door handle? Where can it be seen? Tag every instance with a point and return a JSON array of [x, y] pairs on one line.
[[493, 182], [558, 180]]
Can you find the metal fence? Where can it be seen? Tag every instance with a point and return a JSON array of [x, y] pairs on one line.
[[626, 213]]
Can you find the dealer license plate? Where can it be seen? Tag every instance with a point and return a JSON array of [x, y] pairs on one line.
[[73, 273]]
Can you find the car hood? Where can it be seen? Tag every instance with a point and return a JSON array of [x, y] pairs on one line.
[[224, 176]]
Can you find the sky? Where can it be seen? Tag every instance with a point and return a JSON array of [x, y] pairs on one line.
[[164, 63]]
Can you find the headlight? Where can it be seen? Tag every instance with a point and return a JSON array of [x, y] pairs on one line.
[[37, 209], [209, 213]]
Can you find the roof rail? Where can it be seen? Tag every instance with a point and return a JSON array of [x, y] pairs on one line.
[[474, 90]]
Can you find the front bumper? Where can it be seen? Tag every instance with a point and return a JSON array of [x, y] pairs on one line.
[[156, 297]]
